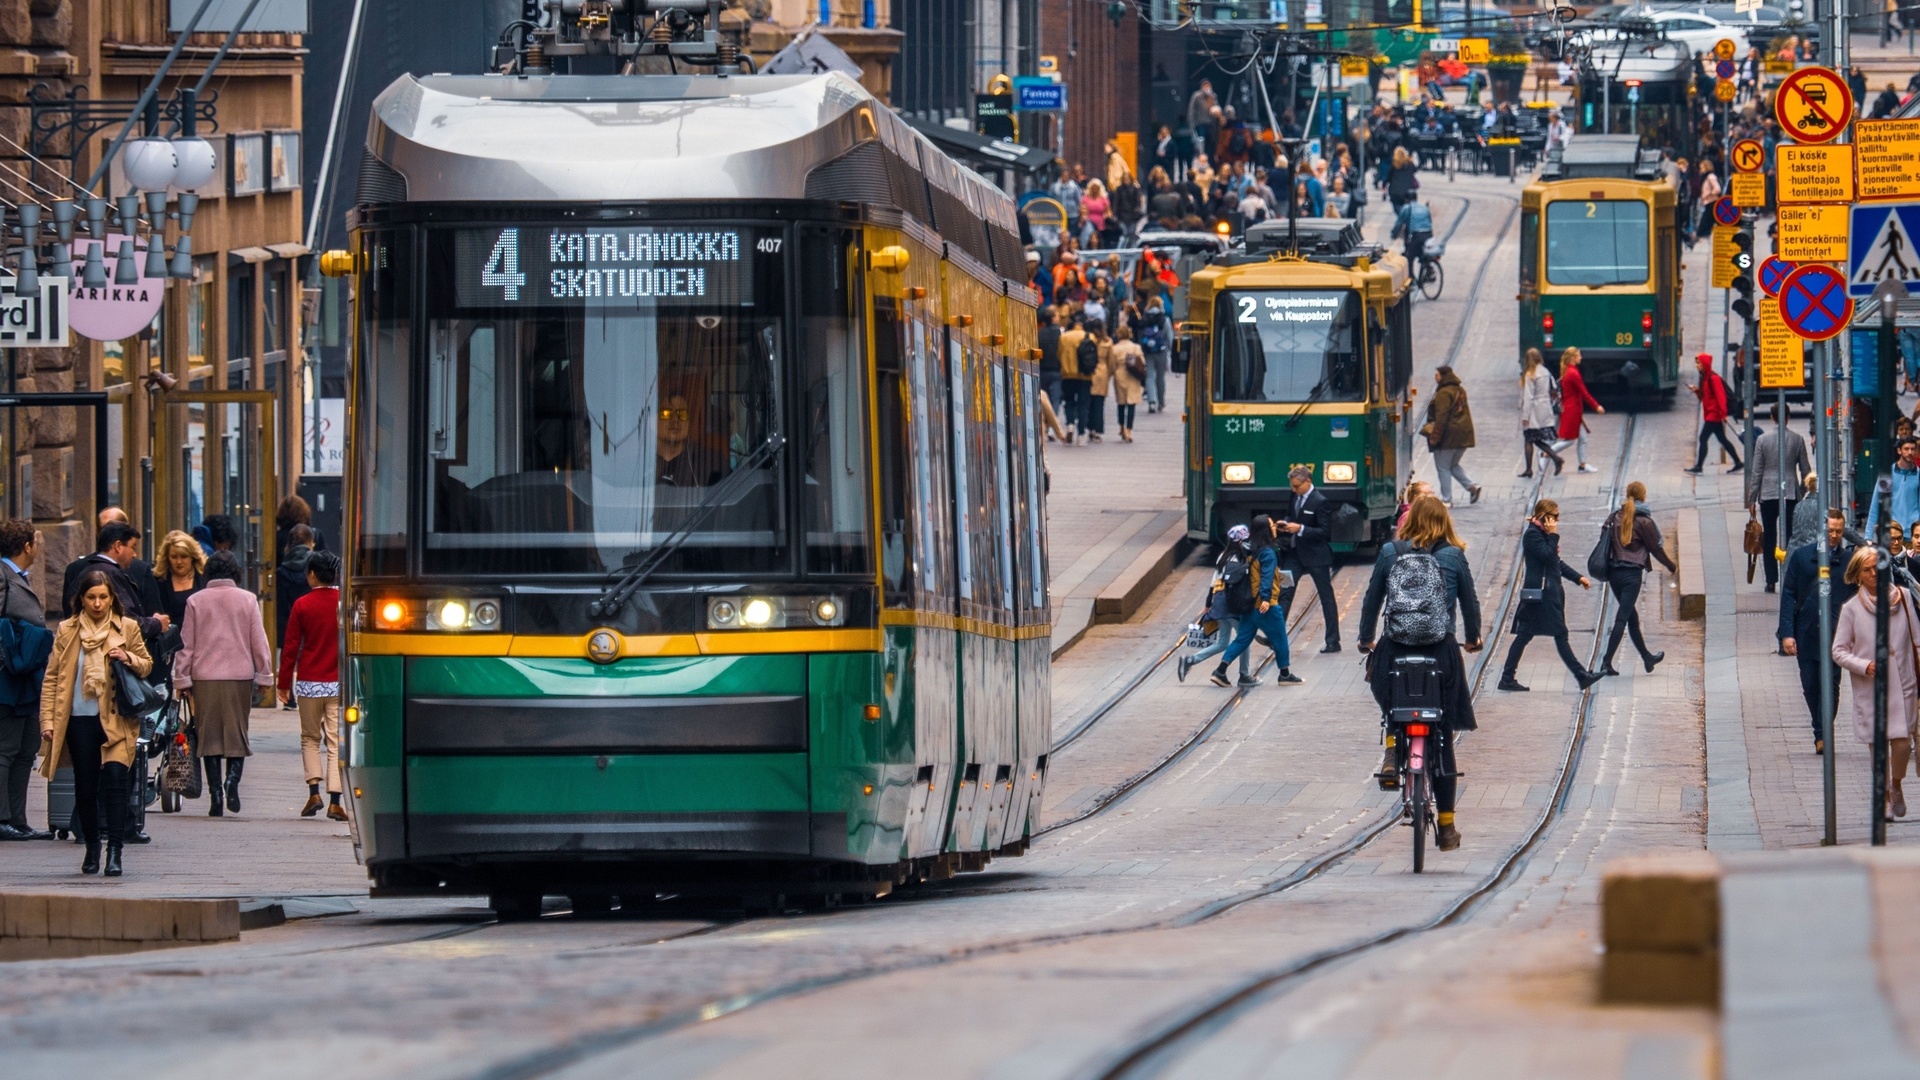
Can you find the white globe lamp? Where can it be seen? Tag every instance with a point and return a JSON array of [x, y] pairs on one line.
[[195, 163], [149, 163]]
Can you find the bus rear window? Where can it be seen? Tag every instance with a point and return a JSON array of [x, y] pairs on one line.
[[1597, 243]]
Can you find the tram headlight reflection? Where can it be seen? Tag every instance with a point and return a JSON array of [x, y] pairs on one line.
[[1236, 472], [1339, 472]]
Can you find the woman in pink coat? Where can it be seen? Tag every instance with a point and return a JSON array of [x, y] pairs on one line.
[[223, 656], [1853, 649]]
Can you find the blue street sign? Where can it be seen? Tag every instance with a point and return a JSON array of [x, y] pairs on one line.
[[1724, 69], [1725, 213], [1035, 94], [1773, 274], [1880, 247], [1813, 304]]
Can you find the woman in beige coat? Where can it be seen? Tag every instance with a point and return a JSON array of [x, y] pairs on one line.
[[1123, 359], [1853, 649], [1097, 389], [79, 723]]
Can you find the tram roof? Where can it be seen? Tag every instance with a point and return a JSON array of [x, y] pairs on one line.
[[597, 138]]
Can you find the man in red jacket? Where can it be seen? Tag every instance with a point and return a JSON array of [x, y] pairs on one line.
[[310, 675], [1712, 392]]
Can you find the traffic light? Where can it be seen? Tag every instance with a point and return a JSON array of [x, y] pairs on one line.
[[1743, 272]]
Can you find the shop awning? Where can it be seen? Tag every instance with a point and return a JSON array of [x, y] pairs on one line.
[[982, 152]]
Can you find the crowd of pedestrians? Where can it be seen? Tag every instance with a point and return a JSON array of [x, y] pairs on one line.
[[185, 624]]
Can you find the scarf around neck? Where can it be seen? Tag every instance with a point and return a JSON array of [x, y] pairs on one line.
[[95, 639]]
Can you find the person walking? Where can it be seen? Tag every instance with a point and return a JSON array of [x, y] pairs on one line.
[[80, 722], [1543, 601], [1428, 531], [1230, 598], [1266, 617], [1308, 551], [116, 549], [1906, 485], [293, 510], [1129, 373], [290, 577], [1156, 341], [1076, 347], [1633, 543], [1853, 649], [1537, 416], [1779, 451], [1401, 182], [181, 572], [1799, 627], [1574, 403], [1710, 191], [1102, 373], [1809, 516], [1449, 432], [310, 678], [223, 656], [22, 641], [1712, 392]]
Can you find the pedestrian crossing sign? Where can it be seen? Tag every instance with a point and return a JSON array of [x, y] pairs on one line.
[[1882, 247]]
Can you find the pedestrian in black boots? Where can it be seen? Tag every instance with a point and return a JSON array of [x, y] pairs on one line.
[[1633, 543], [1543, 602]]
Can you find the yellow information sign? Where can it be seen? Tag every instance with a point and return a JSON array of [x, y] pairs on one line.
[[1475, 50], [1889, 158], [1777, 65], [1726, 90], [1782, 352], [1723, 253], [1748, 190], [1353, 67], [1812, 234], [1815, 174]]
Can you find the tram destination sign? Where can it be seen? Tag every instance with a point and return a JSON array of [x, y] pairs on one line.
[[606, 266]]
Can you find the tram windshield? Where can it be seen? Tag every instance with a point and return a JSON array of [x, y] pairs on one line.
[[1599, 242], [587, 389], [1289, 345]]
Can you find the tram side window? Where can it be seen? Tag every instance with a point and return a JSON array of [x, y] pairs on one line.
[[962, 466], [896, 453], [1036, 496], [835, 400], [1003, 482], [1399, 347], [1597, 242], [1293, 345], [385, 408], [926, 382], [1529, 251]]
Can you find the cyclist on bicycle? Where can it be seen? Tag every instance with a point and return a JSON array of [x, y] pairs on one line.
[[1428, 530], [1415, 222]]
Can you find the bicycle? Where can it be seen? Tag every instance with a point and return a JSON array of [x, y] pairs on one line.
[[1428, 275], [1412, 730]]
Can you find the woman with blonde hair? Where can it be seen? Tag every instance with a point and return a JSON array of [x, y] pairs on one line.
[[1537, 418], [1633, 543], [1574, 402], [1095, 206], [1853, 649], [181, 566]]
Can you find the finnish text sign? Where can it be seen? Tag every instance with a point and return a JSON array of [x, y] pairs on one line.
[[1815, 174], [1813, 233], [1889, 162]]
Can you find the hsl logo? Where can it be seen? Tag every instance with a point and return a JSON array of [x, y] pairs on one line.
[[503, 264]]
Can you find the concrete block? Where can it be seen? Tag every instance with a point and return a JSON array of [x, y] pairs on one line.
[[1668, 903], [26, 916], [53, 483], [1692, 576], [22, 948], [183, 920], [113, 917], [1660, 978], [219, 920], [75, 917], [146, 921]]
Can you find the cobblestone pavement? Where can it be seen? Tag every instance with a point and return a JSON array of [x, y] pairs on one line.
[[1040, 966]]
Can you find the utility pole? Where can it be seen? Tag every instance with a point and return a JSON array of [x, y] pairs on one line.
[[1824, 455], [1885, 409]]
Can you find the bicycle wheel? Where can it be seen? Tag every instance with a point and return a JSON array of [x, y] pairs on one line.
[[1417, 797], [1432, 278]]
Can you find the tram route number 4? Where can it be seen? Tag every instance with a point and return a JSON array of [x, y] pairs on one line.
[[1882, 248]]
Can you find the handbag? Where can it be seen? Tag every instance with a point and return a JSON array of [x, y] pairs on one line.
[[1600, 559], [1753, 542], [133, 696], [1535, 595]]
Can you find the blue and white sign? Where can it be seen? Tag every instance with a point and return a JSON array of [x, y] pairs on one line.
[[1881, 247], [1032, 93]]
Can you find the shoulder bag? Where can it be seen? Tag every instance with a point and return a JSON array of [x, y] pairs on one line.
[[1600, 559], [133, 696], [1753, 543]]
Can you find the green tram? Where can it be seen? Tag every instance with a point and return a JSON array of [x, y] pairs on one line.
[[695, 499], [1299, 355], [1600, 265]]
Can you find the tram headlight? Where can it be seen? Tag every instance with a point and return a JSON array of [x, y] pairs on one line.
[[774, 612], [1339, 472], [460, 613], [392, 615], [1236, 472], [757, 612]]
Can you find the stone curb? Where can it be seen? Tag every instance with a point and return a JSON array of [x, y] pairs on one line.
[[1732, 824], [41, 926], [1122, 597]]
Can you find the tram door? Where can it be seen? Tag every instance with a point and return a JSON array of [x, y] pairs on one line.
[[216, 456], [52, 431]]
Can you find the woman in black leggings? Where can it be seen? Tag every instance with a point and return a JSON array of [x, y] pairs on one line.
[[1543, 602], [1635, 543]]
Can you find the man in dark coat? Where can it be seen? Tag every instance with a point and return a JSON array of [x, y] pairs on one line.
[[114, 551], [1311, 552], [1799, 629], [1543, 600], [19, 694]]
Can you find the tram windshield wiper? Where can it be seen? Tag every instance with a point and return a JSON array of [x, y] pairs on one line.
[[1318, 389], [636, 575]]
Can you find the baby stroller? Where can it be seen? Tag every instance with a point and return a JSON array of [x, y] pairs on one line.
[[170, 741]]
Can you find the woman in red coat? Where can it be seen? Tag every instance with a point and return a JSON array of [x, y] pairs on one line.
[[1574, 402]]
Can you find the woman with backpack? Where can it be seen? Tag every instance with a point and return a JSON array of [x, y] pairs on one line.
[[1229, 599], [1632, 543], [1538, 414], [1266, 616], [1543, 601], [1418, 581], [1129, 372]]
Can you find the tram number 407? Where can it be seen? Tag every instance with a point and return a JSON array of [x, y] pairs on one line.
[[769, 245]]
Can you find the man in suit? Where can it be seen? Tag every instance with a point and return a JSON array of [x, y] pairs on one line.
[[115, 550], [19, 694], [1799, 628], [1310, 553]]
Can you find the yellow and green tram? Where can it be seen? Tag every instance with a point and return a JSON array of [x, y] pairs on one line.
[[1299, 354], [1600, 265], [695, 495]]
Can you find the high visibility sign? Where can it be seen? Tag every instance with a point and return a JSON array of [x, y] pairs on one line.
[[1475, 50], [1782, 355], [1353, 67], [1889, 163], [1773, 273], [1748, 190], [1814, 302], [1884, 250], [1813, 105], [1811, 234], [1723, 253], [1725, 90], [1724, 49], [1749, 155], [1778, 65], [1814, 174]]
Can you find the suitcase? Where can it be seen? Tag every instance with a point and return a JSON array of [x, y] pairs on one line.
[[60, 803]]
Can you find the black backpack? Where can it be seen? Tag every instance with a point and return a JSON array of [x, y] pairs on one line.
[[1236, 577], [1087, 357]]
